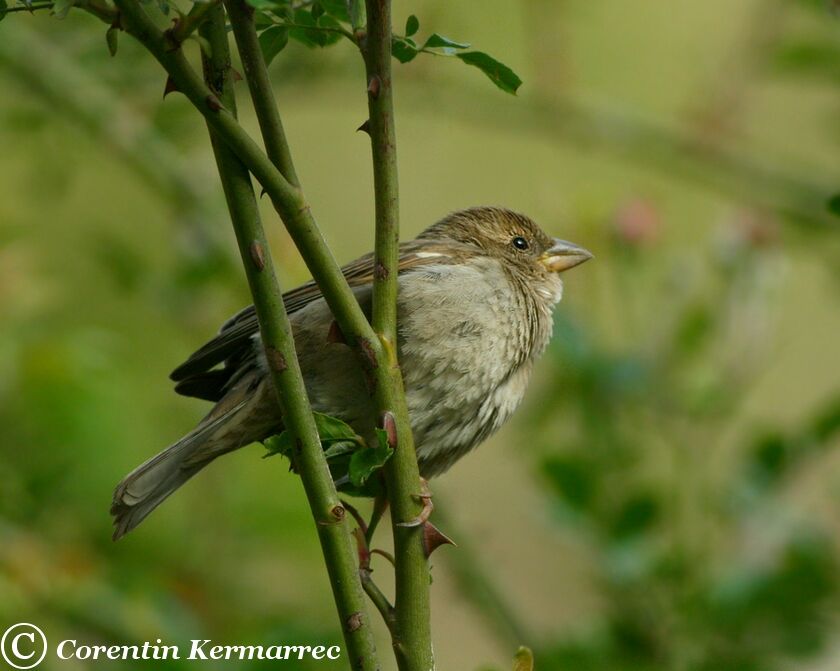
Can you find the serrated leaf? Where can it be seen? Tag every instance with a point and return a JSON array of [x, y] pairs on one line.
[[112, 39], [833, 204], [436, 41], [337, 8], [367, 461], [412, 25], [272, 41], [404, 49], [499, 73]]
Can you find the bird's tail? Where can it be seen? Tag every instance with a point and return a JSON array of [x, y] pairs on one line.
[[148, 485]]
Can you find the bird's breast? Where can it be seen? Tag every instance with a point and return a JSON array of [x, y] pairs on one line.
[[466, 351]]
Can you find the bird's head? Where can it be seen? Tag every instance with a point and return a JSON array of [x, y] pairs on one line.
[[526, 251]]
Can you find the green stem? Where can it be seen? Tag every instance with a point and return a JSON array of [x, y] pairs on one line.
[[377, 355], [287, 199], [276, 333], [412, 630], [186, 25], [256, 74]]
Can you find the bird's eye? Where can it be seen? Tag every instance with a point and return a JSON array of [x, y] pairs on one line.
[[520, 243]]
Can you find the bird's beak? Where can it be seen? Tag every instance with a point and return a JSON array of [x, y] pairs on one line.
[[563, 255]]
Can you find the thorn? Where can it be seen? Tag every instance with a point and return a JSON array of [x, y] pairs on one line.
[[237, 77], [425, 497], [170, 87], [335, 335], [433, 538], [365, 127], [389, 424], [262, 192], [354, 622], [338, 512], [257, 255], [367, 351], [276, 360], [374, 84], [213, 103], [380, 272]]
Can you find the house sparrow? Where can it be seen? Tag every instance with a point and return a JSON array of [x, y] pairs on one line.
[[476, 294]]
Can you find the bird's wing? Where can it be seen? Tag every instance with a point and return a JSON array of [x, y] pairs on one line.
[[198, 375]]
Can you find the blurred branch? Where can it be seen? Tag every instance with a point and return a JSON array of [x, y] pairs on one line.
[[283, 365], [669, 151], [49, 72], [480, 587]]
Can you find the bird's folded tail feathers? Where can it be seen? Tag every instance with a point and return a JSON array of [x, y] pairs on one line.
[[148, 485]]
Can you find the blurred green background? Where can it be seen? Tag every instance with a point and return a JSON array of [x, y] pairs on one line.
[[668, 496]]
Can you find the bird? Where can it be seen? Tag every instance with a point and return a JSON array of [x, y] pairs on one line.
[[476, 295]]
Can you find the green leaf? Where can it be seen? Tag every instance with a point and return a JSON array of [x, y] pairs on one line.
[[833, 204], [358, 13], [112, 39], [311, 38], [404, 49], [272, 41], [3, 7], [367, 461], [340, 448], [263, 5], [331, 36], [437, 41], [317, 10], [336, 8], [263, 21], [281, 444], [338, 438], [501, 75], [332, 428], [412, 25]]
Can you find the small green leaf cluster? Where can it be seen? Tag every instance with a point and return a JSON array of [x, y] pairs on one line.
[[323, 23], [352, 462]]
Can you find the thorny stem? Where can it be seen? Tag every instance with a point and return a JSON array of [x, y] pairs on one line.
[[286, 376], [411, 633], [185, 25], [262, 94], [378, 355], [401, 471]]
